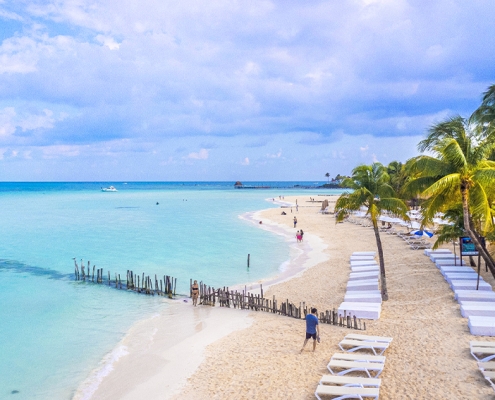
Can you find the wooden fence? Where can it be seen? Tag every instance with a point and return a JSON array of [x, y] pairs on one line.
[[256, 302], [139, 284]]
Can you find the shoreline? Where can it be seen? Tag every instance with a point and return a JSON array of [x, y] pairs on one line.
[[428, 358], [121, 373]]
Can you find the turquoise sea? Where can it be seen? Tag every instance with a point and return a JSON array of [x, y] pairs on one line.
[[54, 329]]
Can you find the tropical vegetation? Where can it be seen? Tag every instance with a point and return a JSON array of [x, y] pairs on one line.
[[372, 192], [454, 177]]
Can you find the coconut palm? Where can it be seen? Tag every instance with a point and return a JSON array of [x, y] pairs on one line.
[[328, 176], [458, 172], [371, 190]]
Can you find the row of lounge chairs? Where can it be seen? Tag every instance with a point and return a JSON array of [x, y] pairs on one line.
[[414, 242], [484, 352], [474, 295], [362, 298], [340, 386]]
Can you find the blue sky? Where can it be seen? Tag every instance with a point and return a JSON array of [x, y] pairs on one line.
[[231, 90]]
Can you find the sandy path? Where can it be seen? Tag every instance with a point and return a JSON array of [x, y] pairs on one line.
[[428, 359]]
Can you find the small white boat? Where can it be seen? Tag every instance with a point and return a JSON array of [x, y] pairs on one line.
[[109, 189]]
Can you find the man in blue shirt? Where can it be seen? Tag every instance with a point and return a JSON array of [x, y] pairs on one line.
[[312, 328]]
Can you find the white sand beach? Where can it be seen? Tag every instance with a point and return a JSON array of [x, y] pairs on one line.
[[229, 353]]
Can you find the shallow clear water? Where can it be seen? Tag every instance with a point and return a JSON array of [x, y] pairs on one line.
[[55, 330]]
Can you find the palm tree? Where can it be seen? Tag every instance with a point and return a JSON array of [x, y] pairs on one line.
[[458, 172], [372, 191], [328, 176]]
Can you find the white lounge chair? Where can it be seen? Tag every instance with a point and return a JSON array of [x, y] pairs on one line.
[[428, 252], [345, 392], [482, 326], [361, 310], [369, 268], [459, 269], [475, 308], [461, 276], [367, 284], [483, 349], [449, 261], [349, 381], [474, 295], [358, 357], [352, 366], [470, 285], [364, 253], [360, 297], [362, 258], [368, 338], [363, 263], [359, 276], [378, 348]]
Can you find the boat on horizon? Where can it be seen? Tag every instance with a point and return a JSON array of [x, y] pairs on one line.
[[108, 189]]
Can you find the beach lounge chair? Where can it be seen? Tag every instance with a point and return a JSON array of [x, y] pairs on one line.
[[368, 268], [367, 284], [363, 263], [361, 310], [482, 349], [356, 276], [452, 262], [420, 245], [349, 381], [364, 253], [470, 285], [378, 348], [460, 276], [362, 258], [474, 308], [345, 392], [368, 338], [358, 357], [474, 295], [459, 269], [355, 366], [482, 326], [363, 297], [428, 252]]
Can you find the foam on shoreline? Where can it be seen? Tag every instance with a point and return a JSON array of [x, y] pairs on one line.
[[158, 354]]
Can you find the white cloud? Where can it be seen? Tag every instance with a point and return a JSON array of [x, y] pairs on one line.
[[245, 161], [200, 155], [51, 152], [180, 72], [108, 42]]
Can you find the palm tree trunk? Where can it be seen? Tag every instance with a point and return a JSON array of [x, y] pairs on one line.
[[474, 237], [383, 280]]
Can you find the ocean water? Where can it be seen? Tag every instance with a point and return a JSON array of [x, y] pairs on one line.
[[55, 330]]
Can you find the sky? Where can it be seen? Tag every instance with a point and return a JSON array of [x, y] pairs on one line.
[[159, 90]]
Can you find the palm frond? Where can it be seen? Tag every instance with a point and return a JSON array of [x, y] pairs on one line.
[[443, 184]]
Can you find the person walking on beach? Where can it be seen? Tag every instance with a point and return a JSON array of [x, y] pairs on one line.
[[302, 235], [298, 236], [295, 222], [195, 293], [312, 329]]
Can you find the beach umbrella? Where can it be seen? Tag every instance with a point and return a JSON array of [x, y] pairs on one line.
[[415, 225], [422, 233]]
